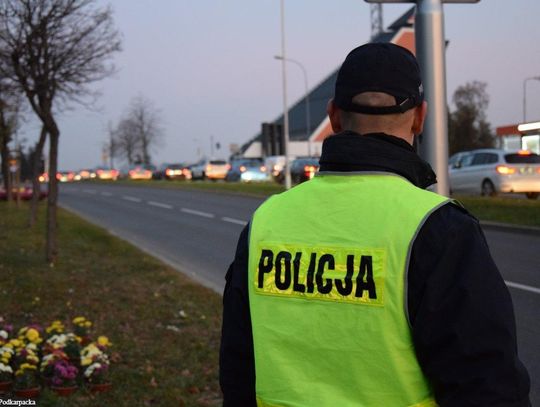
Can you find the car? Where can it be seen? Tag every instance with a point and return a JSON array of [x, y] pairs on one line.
[[303, 169], [24, 193], [87, 173], [65, 176], [106, 173], [173, 171], [247, 170], [210, 169], [275, 165], [493, 171], [141, 172]]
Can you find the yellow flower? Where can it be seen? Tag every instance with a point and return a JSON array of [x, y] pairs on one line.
[[78, 320], [28, 366], [87, 324], [15, 343], [103, 341], [32, 335], [86, 361], [5, 361]]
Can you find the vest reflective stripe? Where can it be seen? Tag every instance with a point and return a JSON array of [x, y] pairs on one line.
[[327, 270]]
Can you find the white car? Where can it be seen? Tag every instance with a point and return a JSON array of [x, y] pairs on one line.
[[492, 171], [210, 169]]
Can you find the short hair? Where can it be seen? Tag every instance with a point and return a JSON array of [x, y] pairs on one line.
[[353, 121]]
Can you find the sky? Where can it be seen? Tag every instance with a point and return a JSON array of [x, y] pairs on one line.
[[208, 66]]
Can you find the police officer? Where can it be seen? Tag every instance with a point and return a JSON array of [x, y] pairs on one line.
[[361, 288]]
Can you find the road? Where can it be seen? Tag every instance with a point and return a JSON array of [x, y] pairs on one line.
[[196, 232]]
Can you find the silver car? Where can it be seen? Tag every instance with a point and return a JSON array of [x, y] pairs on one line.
[[492, 171]]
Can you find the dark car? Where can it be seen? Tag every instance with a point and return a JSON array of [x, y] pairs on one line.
[[303, 169], [247, 170], [173, 171]]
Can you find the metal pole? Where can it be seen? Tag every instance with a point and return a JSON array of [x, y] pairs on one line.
[[287, 168], [308, 110], [430, 49]]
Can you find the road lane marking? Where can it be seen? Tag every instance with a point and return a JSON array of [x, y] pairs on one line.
[[159, 205], [198, 213], [523, 287], [131, 198], [236, 221], [89, 191], [106, 194]]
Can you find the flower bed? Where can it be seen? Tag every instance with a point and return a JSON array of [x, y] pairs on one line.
[[35, 357]]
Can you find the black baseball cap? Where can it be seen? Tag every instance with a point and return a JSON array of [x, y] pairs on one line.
[[379, 67]]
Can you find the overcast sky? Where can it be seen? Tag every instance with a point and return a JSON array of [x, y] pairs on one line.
[[208, 66]]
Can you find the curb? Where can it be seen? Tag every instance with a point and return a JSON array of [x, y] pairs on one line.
[[506, 227]]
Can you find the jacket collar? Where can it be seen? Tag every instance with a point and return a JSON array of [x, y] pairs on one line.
[[349, 151]]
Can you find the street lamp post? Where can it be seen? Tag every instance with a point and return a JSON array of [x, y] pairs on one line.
[[287, 168], [306, 97], [430, 48], [536, 78]]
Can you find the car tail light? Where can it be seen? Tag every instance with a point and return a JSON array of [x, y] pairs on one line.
[[132, 172], [242, 168], [524, 152], [263, 169], [228, 167], [115, 173], [169, 172], [505, 170], [58, 176], [538, 170]]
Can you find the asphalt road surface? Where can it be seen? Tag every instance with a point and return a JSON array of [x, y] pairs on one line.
[[196, 232]]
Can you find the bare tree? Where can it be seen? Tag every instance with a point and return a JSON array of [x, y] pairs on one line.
[[126, 141], [144, 122], [10, 103], [56, 48], [138, 132]]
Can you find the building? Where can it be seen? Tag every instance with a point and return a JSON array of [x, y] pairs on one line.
[[304, 142], [525, 136]]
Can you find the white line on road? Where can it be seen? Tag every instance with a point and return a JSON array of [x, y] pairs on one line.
[[198, 213], [89, 191], [106, 194], [131, 198], [159, 205], [523, 287], [236, 221]]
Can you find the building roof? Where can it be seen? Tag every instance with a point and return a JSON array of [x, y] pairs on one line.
[[324, 91]]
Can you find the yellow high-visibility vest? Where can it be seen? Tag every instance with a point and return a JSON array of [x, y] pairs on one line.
[[327, 276]]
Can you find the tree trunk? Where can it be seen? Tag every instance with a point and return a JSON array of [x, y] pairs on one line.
[[36, 187], [6, 174], [54, 135]]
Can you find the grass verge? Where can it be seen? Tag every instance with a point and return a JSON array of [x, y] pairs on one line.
[[261, 189], [505, 210], [165, 357]]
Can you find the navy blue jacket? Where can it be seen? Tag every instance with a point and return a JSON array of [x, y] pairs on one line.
[[460, 310]]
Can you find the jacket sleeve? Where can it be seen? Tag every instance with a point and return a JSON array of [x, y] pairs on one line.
[[462, 316], [236, 359]]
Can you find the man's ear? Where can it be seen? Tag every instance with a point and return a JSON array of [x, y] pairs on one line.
[[420, 113], [334, 116]]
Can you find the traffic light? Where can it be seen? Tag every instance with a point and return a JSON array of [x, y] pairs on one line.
[[272, 139]]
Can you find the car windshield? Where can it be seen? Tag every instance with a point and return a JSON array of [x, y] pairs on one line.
[[218, 162], [517, 158], [175, 166]]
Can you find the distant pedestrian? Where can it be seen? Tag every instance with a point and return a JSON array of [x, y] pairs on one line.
[[361, 288]]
